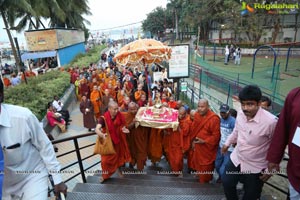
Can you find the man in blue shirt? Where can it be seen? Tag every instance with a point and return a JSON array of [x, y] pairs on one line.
[[227, 126], [1, 170]]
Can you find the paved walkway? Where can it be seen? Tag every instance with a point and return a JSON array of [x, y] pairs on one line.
[[74, 129]]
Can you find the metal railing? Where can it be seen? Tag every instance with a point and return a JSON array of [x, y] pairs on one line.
[[77, 149], [192, 96]]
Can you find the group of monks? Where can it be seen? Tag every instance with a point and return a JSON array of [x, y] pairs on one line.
[[196, 137]]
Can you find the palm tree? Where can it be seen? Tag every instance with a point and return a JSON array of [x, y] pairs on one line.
[[61, 13], [8, 8], [73, 10]]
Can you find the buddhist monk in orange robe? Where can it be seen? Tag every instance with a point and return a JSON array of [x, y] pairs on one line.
[[93, 83], [124, 105], [155, 145], [95, 76], [112, 91], [95, 98], [111, 79], [113, 123], [105, 101], [129, 116], [141, 137], [206, 130], [102, 75], [120, 97], [138, 94], [172, 103], [190, 151], [137, 139], [158, 138], [177, 144]]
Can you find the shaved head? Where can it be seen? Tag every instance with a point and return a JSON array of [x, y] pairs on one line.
[[192, 114], [112, 104], [181, 113], [132, 108], [113, 109], [182, 109], [131, 105], [203, 101], [203, 107]]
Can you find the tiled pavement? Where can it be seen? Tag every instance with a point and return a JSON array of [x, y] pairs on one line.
[[76, 128]]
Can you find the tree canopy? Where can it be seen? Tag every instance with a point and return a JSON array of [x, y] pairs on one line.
[[220, 15]]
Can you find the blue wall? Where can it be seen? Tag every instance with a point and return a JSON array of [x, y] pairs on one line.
[[67, 54]]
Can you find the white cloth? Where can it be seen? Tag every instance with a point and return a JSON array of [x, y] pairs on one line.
[[32, 160], [57, 105], [226, 51]]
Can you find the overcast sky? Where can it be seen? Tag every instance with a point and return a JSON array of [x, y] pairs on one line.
[[109, 14], [117, 12]]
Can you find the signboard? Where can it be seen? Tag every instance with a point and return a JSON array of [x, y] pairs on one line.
[[42, 40], [179, 62], [52, 39], [67, 38], [183, 86]]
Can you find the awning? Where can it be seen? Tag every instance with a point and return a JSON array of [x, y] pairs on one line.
[[34, 55]]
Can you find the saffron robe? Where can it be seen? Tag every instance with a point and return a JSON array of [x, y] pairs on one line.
[[110, 163], [95, 98], [207, 128], [177, 144], [155, 148], [138, 94]]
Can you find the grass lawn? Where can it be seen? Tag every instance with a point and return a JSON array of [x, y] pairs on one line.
[[262, 71]]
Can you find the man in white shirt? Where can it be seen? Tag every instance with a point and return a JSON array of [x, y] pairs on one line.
[[28, 155], [58, 105]]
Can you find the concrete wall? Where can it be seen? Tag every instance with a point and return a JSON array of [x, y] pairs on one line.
[[69, 100]]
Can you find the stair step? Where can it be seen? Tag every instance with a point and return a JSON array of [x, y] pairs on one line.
[[126, 189], [162, 177], [144, 182], [97, 196], [134, 174]]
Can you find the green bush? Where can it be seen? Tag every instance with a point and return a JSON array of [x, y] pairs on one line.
[[92, 56], [38, 92]]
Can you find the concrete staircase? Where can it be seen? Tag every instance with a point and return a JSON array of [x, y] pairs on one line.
[[152, 183]]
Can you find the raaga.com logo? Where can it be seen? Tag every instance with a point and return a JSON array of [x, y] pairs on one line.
[[274, 8]]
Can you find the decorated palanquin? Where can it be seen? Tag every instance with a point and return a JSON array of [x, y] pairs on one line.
[[160, 118]]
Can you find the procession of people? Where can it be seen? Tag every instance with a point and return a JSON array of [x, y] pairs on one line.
[[210, 142], [239, 149]]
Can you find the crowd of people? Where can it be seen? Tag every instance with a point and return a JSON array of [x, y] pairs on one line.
[[236, 148], [38, 66], [245, 146]]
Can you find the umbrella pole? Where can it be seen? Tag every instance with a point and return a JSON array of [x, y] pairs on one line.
[[177, 88], [147, 81]]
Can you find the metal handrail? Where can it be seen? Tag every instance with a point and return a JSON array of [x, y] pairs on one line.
[[79, 161]]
